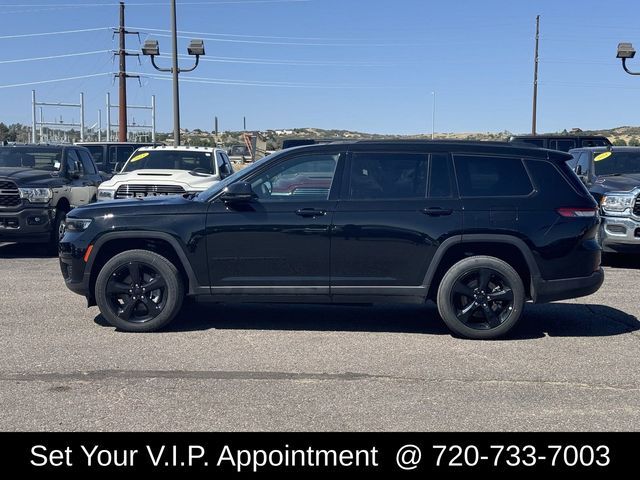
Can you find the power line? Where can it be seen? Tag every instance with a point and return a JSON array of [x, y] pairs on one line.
[[153, 4], [50, 57], [40, 82], [63, 32]]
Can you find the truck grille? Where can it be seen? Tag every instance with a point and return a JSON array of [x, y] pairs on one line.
[[636, 207], [140, 191], [9, 194]]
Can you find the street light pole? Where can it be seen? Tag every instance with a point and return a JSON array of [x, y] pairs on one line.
[[175, 72], [433, 117], [625, 52]]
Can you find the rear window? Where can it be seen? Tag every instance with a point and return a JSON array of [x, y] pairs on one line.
[[480, 176], [550, 180]]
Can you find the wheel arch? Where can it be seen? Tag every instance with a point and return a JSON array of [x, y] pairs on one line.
[[164, 244], [509, 248]]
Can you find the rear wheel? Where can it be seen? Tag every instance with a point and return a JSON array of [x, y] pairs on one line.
[[481, 297], [139, 291]]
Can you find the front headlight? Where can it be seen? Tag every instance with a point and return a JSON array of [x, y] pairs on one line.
[[36, 195], [617, 203], [105, 194], [77, 224]]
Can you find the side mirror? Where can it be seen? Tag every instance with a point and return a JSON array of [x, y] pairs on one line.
[[240, 192]]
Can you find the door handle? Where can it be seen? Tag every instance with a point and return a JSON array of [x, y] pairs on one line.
[[310, 212], [436, 211]]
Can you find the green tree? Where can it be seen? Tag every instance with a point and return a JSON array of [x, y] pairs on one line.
[[4, 132], [634, 142], [620, 142]]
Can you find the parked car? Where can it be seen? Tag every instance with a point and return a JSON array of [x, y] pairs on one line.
[[158, 171], [111, 156], [478, 227], [39, 184], [612, 175], [562, 142]]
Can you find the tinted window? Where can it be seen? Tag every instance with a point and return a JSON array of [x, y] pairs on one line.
[[27, 157], [441, 176], [563, 145], [388, 175], [223, 167], [73, 163], [120, 154], [583, 166], [550, 182], [97, 152], [574, 161], [532, 141], [307, 177], [200, 161], [87, 163], [611, 163], [491, 176], [595, 143]]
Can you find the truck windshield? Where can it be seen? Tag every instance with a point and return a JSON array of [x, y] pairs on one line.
[[612, 163], [27, 157], [200, 162]]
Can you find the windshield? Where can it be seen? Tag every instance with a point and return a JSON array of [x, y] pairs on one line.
[[29, 157], [198, 161], [612, 163], [218, 187]]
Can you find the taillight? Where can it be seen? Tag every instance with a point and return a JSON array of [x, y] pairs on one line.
[[577, 212]]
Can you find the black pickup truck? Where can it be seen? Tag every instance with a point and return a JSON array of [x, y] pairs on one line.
[[39, 184]]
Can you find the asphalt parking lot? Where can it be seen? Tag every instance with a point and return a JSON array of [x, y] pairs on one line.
[[568, 366]]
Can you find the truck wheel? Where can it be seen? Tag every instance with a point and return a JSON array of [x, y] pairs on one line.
[[481, 297], [139, 291], [57, 230]]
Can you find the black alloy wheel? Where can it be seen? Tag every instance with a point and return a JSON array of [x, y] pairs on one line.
[[136, 292], [481, 297], [139, 291]]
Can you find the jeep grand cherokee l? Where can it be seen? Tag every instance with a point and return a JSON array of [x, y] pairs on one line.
[[480, 228]]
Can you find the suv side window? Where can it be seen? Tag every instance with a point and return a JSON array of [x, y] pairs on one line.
[[480, 176], [595, 142], [563, 145], [87, 162], [97, 152], [305, 177], [120, 154], [74, 165], [440, 177], [377, 176]]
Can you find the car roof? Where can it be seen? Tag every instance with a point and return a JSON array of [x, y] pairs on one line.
[[453, 146], [614, 148]]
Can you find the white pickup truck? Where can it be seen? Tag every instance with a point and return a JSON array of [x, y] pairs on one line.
[[162, 170]]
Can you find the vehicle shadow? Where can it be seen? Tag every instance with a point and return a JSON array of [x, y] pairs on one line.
[[25, 250], [621, 260], [553, 320]]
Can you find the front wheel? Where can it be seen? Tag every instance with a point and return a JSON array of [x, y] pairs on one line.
[[481, 297], [139, 291]]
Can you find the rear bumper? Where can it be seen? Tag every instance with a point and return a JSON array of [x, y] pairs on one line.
[[552, 290], [31, 225]]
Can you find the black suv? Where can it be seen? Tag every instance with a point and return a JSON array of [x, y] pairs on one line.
[[612, 175], [478, 227], [39, 184]]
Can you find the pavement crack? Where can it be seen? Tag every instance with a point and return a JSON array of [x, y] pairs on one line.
[[101, 375]]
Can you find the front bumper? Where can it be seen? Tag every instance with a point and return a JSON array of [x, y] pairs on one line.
[[28, 225], [620, 234], [562, 289]]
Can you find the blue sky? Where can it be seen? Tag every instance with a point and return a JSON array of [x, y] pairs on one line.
[[349, 64]]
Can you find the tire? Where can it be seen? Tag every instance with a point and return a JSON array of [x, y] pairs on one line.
[[481, 297], [56, 231], [123, 291]]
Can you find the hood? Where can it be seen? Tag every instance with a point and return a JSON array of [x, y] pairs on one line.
[[31, 177], [621, 183], [194, 180], [167, 205]]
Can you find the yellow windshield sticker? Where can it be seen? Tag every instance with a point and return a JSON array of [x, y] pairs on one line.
[[602, 156], [140, 156]]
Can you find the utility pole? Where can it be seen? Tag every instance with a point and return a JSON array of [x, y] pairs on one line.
[[122, 75], [535, 78]]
